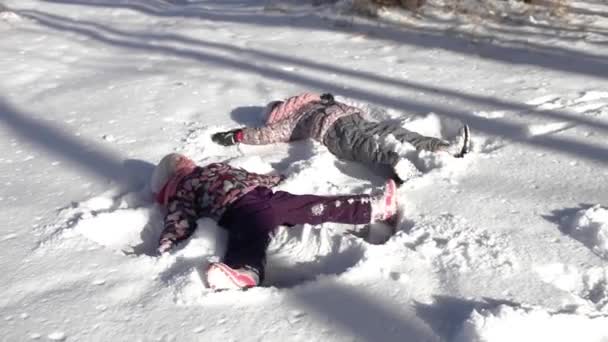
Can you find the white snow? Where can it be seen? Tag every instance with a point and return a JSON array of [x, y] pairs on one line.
[[507, 244], [591, 226], [516, 324], [57, 336]]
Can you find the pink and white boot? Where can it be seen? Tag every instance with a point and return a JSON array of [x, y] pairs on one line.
[[384, 206], [223, 277]]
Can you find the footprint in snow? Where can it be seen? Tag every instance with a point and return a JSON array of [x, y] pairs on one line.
[[458, 247], [543, 100], [588, 102], [587, 287], [587, 224]]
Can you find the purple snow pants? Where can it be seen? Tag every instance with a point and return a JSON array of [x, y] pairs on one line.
[[252, 218]]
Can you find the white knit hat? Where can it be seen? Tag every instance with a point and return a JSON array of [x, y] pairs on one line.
[[163, 171]]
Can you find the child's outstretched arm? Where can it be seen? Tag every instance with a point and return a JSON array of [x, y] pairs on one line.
[[280, 131], [268, 181], [180, 222], [280, 122]]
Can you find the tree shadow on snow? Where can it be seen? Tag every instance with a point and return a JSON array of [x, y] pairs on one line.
[[182, 267], [363, 316], [514, 49], [283, 275], [230, 58], [248, 116], [130, 175], [366, 318], [298, 151], [565, 221], [84, 155], [138, 172], [351, 309], [376, 174]]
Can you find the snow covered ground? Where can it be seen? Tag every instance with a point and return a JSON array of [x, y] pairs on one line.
[[507, 244]]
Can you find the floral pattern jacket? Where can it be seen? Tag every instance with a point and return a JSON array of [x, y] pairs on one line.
[[207, 192]]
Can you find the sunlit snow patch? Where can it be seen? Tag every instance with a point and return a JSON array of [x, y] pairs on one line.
[[7, 15], [116, 229], [587, 286], [509, 324], [590, 226]]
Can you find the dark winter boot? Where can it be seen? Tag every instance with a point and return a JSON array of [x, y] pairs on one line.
[[461, 144]]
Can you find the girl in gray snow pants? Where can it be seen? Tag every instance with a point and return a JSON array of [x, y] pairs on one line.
[[338, 126]]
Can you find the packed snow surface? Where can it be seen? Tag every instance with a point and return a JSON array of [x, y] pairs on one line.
[[508, 243]]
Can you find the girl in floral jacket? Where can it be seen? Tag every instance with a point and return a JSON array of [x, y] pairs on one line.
[[243, 203], [343, 129]]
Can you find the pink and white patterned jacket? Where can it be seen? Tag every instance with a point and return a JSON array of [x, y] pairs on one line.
[[299, 117], [207, 192]]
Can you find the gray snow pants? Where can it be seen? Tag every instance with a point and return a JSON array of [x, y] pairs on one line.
[[354, 138]]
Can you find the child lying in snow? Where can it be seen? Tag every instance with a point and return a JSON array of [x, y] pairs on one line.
[[343, 130], [244, 204]]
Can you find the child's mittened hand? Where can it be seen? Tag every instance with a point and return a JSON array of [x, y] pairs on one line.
[[327, 98], [228, 138], [165, 247]]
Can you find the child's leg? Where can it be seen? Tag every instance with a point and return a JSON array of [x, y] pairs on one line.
[[290, 209], [354, 138], [347, 139], [419, 141], [249, 222]]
